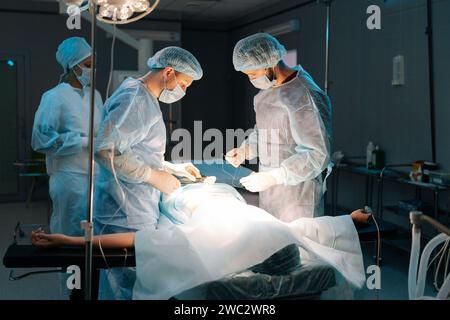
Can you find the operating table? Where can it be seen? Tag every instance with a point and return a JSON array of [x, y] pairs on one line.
[[301, 282], [305, 282]]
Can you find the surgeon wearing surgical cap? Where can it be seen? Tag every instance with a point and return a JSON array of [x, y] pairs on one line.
[[292, 135], [60, 131], [130, 147]]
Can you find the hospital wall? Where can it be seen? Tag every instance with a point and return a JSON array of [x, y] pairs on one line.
[[366, 107], [209, 99]]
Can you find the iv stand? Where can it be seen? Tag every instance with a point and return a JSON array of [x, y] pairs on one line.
[[327, 45], [87, 224]]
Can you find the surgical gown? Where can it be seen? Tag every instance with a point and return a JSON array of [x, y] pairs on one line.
[[293, 131], [133, 134], [60, 124], [222, 235]]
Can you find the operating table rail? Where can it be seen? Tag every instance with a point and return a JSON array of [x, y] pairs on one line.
[[29, 256]]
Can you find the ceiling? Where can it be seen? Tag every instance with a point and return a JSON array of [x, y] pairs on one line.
[[214, 10], [220, 11]]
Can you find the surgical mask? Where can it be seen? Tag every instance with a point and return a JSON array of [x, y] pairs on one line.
[[263, 82], [171, 96], [85, 77]]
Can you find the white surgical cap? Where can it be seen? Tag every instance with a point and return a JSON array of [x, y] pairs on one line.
[[72, 51], [258, 51], [179, 59]]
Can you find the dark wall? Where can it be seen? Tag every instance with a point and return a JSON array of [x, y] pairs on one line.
[[361, 70], [441, 14], [210, 99]]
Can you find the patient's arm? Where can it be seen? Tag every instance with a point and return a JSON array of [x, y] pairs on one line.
[[107, 241]]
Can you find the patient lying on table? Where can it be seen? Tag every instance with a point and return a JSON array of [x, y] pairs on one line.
[[207, 232]]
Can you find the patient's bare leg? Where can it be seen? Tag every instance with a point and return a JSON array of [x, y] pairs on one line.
[[360, 217]]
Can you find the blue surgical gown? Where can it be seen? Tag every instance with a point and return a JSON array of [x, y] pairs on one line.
[[133, 131], [60, 124]]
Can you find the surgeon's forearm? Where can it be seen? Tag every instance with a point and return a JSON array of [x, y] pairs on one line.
[[57, 144], [107, 241], [305, 166]]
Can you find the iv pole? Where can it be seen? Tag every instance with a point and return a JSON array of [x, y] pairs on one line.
[[327, 45], [87, 225]]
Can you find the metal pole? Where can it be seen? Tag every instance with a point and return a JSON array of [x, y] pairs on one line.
[[88, 224], [417, 218], [327, 45], [429, 33]]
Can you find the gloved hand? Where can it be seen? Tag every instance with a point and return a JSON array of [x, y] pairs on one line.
[[163, 181], [261, 181], [236, 156], [186, 169]]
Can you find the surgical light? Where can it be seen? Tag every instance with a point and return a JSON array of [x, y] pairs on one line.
[[122, 11]]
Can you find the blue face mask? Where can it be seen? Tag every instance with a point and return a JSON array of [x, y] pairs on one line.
[[171, 96], [263, 82], [85, 77]]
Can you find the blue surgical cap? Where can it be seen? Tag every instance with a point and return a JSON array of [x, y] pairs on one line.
[[179, 59], [72, 51], [258, 51]]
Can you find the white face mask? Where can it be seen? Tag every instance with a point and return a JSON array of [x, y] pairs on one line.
[[263, 82], [171, 96], [85, 77]]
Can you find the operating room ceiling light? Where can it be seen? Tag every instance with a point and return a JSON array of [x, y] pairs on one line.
[[122, 11]]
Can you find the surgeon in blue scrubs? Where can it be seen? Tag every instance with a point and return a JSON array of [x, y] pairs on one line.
[[130, 147]]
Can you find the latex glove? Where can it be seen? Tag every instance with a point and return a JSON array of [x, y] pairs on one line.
[[186, 169], [261, 181], [163, 181], [236, 156]]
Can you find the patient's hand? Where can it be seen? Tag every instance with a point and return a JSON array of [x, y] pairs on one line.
[[360, 217], [41, 239]]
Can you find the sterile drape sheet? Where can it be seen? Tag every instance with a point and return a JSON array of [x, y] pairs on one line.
[[225, 235]]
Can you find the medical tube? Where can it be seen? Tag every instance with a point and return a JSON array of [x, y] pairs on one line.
[[414, 260], [423, 268], [445, 290]]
